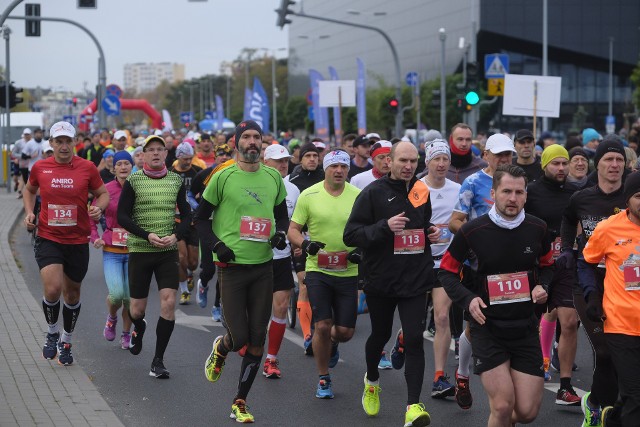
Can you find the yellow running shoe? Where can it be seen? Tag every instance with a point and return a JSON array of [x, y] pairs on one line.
[[371, 398], [214, 364], [416, 416], [240, 413]]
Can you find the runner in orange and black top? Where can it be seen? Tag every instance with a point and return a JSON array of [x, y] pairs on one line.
[[617, 303], [188, 247], [62, 245], [513, 275]]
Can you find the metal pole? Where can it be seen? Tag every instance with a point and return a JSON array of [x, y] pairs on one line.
[[191, 86], [473, 54], [545, 57], [417, 89], [610, 76], [212, 100], [229, 96], [274, 94], [443, 97], [398, 124], [8, 10], [102, 74], [6, 34], [200, 90]]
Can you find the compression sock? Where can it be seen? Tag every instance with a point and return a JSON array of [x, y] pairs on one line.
[[276, 334], [51, 313], [164, 328], [547, 332], [465, 356], [248, 371], [304, 314], [70, 315]]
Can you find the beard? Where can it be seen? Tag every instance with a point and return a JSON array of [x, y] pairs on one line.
[[250, 157]]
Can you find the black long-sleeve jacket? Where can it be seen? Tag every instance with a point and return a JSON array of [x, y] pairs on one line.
[[386, 273]]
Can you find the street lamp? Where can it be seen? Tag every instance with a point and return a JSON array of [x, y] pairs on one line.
[[357, 12], [443, 106]]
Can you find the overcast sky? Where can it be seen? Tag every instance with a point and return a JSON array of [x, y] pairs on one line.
[[199, 35]]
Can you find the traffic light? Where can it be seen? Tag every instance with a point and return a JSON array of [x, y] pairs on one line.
[[74, 101], [3, 95], [32, 28], [87, 4], [283, 11], [14, 96], [392, 105], [471, 96], [461, 104]]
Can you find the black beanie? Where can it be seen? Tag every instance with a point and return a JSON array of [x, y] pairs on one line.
[[246, 125], [578, 151], [309, 146], [631, 185], [610, 144]]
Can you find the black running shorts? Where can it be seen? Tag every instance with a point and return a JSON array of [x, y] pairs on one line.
[[144, 265], [333, 297], [74, 258], [282, 275]]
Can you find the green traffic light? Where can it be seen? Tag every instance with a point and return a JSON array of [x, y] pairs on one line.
[[472, 98]]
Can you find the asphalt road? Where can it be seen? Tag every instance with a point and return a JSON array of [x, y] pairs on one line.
[[187, 398]]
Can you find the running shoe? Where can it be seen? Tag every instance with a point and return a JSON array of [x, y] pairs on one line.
[[371, 398], [456, 347], [216, 314], [592, 417], [442, 388], [567, 397], [607, 416], [335, 355], [240, 412], [65, 357], [190, 282], [555, 361], [125, 340], [416, 416], [431, 331], [384, 363], [547, 374], [110, 328], [397, 352], [50, 348], [214, 364], [135, 346], [463, 393], [201, 295], [185, 298], [324, 388], [270, 368], [308, 345], [158, 370]]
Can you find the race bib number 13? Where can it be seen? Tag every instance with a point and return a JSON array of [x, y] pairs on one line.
[[62, 215], [332, 261]]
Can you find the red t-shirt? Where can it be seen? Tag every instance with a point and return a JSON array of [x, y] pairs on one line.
[[209, 159], [64, 190]]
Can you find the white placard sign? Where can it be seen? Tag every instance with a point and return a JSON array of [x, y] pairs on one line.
[[519, 95], [335, 93]]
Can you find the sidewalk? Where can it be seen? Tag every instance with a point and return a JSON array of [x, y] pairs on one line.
[[35, 391]]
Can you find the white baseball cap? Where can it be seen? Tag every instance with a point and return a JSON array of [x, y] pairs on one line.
[[62, 129], [373, 135], [46, 147], [26, 131], [499, 143], [276, 152], [119, 134], [320, 145]]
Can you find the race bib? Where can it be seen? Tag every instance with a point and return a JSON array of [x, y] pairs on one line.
[[332, 261], [62, 215], [408, 242], [119, 237], [556, 248], [255, 229], [446, 235], [631, 276], [508, 288]]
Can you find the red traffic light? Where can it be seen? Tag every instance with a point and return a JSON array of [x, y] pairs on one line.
[[75, 101], [393, 103]]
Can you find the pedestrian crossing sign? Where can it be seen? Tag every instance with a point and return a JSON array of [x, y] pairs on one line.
[[496, 65]]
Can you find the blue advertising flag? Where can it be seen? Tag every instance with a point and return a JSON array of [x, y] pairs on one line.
[[361, 99], [337, 113], [259, 109], [219, 112], [321, 115], [247, 104]]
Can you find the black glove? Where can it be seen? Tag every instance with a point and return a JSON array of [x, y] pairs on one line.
[[311, 247], [279, 240], [566, 260], [224, 253], [355, 256], [594, 307]]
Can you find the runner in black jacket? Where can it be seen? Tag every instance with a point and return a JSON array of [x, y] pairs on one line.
[[390, 221], [514, 270]]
